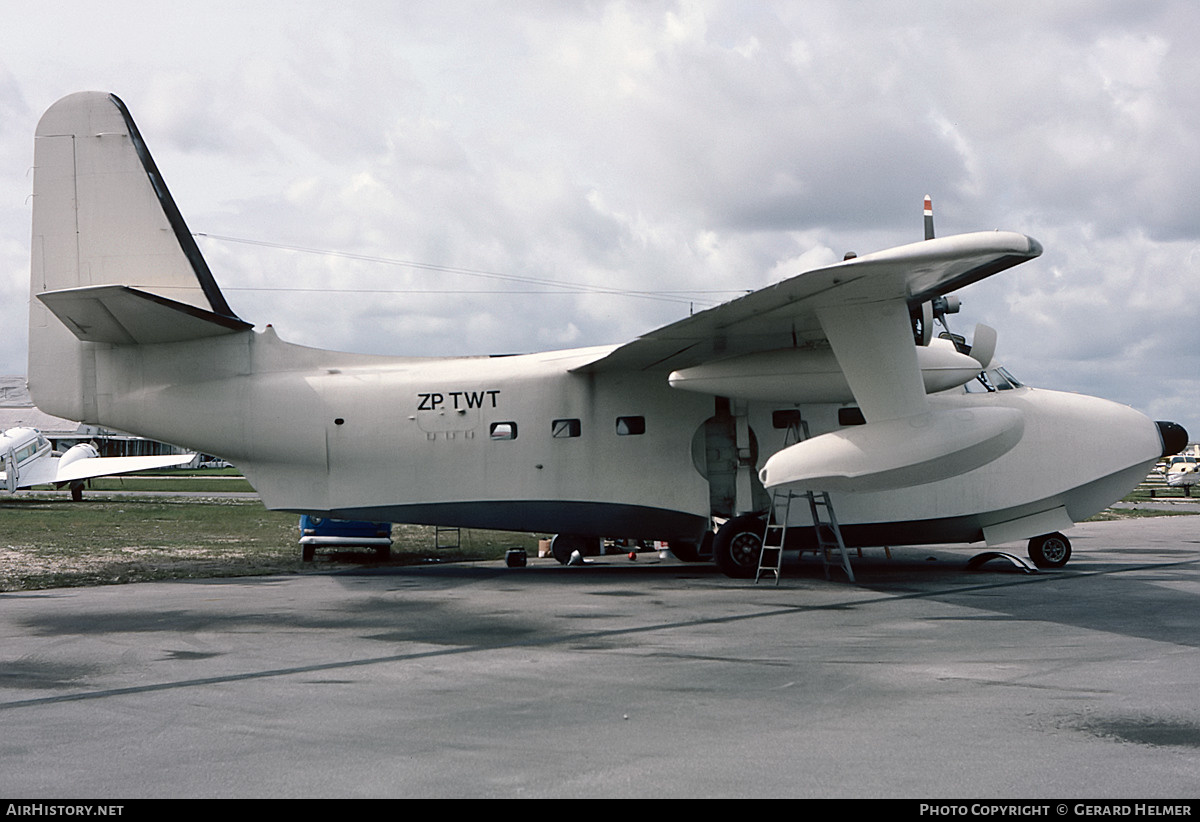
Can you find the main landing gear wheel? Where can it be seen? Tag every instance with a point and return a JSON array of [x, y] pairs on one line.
[[738, 545], [1050, 550]]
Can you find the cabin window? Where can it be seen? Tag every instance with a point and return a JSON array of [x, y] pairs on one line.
[[504, 431], [565, 429], [851, 416], [631, 426]]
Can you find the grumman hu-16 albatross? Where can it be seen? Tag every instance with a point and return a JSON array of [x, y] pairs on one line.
[[827, 386], [29, 460]]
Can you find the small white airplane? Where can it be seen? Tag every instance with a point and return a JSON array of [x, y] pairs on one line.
[[830, 381], [29, 460], [1182, 471]]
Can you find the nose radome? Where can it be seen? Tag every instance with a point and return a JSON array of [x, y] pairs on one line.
[[1174, 437]]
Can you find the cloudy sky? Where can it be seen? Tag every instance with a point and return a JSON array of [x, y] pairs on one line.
[[483, 177]]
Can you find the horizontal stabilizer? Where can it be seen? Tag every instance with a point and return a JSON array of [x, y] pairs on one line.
[[122, 315], [896, 453]]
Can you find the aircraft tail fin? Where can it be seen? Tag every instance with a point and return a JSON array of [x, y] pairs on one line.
[[111, 254]]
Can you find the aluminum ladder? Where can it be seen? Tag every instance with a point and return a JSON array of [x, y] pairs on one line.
[[825, 523], [829, 533], [770, 557]]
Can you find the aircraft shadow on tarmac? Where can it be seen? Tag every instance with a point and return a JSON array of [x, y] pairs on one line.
[[1126, 598]]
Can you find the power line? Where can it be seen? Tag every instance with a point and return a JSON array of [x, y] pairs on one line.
[[561, 287]]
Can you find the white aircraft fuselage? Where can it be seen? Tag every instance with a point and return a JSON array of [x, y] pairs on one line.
[[20, 450], [411, 440], [651, 440]]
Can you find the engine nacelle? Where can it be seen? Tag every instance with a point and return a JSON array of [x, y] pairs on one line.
[[797, 375], [82, 451]]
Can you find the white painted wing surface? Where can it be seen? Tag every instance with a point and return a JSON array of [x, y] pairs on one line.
[[104, 466], [784, 315]]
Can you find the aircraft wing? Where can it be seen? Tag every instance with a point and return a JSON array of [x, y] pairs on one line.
[[104, 466], [789, 313], [861, 308], [50, 470]]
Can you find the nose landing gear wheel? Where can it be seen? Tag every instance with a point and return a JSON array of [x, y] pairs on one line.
[[1050, 550]]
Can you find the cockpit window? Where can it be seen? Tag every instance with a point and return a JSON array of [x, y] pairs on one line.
[[1009, 378], [994, 379]]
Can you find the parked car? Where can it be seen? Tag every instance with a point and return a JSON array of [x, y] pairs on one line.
[[325, 532]]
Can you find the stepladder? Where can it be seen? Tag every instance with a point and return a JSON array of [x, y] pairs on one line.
[[829, 533], [770, 558], [830, 545], [829, 541]]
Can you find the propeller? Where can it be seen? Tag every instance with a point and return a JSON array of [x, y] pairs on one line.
[[983, 343], [11, 472]]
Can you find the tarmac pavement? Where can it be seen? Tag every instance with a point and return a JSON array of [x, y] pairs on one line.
[[647, 678]]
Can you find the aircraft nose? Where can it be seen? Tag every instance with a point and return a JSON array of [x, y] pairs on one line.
[[1174, 437]]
